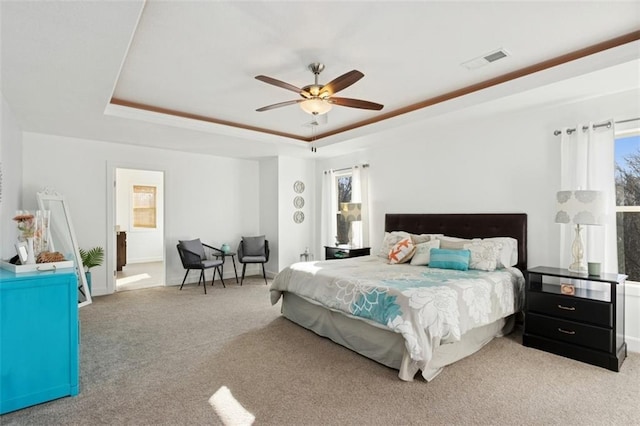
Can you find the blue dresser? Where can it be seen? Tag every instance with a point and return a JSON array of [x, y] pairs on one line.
[[39, 348]]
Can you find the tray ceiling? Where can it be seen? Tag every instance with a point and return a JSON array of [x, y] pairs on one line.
[[190, 66]]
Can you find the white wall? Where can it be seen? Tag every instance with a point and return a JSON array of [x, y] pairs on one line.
[[287, 239], [632, 317], [295, 237], [474, 162], [268, 215], [207, 197], [464, 166], [11, 169], [143, 245]]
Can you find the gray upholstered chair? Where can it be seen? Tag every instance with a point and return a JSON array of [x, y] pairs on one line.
[[192, 256], [253, 250]]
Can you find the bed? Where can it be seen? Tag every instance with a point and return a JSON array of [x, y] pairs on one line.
[[411, 318]]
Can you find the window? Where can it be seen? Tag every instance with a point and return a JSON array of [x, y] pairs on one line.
[[144, 206], [345, 197], [343, 221], [627, 157]]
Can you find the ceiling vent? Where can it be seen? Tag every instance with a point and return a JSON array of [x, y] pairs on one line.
[[481, 61]]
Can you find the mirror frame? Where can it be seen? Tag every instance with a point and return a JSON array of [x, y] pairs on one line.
[[49, 195]]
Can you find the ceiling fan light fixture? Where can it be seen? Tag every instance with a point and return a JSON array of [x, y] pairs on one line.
[[315, 106], [314, 89], [318, 99]]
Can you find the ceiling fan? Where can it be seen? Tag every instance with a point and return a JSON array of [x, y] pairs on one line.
[[318, 99]]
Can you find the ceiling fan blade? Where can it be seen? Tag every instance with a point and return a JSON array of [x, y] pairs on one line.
[[355, 103], [342, 82], [278, 105], [282, 84]]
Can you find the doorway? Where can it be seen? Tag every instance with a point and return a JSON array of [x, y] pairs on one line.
[[139, 227]]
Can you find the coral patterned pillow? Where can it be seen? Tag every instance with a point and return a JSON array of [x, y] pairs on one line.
[[402, 251]]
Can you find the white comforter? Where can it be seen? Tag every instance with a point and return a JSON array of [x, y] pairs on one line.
[[426, 305]]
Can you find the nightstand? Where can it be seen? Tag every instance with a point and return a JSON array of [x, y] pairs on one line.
[[343, 252], [575, 315]]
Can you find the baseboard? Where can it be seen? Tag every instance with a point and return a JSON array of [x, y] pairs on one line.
[[633, 344]]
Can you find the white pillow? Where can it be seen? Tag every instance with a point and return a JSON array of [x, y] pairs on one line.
[[422, 254], [423, 238], [453, 243], [484, 255], [509, 251], [390, 239], [448, 238]]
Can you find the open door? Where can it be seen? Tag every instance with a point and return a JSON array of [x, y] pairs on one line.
[[138, 221]]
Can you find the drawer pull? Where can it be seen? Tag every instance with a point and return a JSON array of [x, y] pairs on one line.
[[567, 308], [566, 331]]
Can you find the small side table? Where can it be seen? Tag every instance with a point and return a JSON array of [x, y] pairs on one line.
[[232, 255], [575, 315], [343, 252]]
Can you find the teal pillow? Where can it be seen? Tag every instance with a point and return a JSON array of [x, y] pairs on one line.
[[450, 259]]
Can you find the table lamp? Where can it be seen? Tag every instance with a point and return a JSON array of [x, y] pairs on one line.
[[580, 207], [352, 212]]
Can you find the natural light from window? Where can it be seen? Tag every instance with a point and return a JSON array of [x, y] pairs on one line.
[[344, 187], [144, 206], [627, 158]]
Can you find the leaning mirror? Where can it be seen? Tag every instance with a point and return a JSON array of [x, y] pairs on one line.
[[62, 238]]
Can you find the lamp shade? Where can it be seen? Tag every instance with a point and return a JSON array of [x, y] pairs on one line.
[[351, 211], [581, 207], [315, 106]]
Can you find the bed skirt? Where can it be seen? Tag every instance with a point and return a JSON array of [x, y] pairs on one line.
[[382, 345]]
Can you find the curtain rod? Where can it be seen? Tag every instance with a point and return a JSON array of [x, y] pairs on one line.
[[345, 168], [595, 126]]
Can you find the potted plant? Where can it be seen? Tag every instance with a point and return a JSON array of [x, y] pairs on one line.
[[93, 257]]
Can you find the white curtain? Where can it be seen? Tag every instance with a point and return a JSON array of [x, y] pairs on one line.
[[587, 163], [329, 209], [360, 194]]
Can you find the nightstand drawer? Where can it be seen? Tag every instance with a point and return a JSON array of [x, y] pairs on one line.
[[571, 308], [570, 332]]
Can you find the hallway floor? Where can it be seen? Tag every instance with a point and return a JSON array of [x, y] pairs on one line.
[[140, 275]]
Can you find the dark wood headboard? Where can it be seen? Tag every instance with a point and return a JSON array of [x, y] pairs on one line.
[[465, 225]]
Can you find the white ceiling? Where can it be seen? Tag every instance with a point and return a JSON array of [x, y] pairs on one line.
[[62, 63]]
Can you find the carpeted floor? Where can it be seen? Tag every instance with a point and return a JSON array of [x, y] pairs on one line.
[[156, 356]]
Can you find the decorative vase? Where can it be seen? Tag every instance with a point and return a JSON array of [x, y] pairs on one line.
[[88, 276], [225, 248], [31, 258], [41, 237]]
